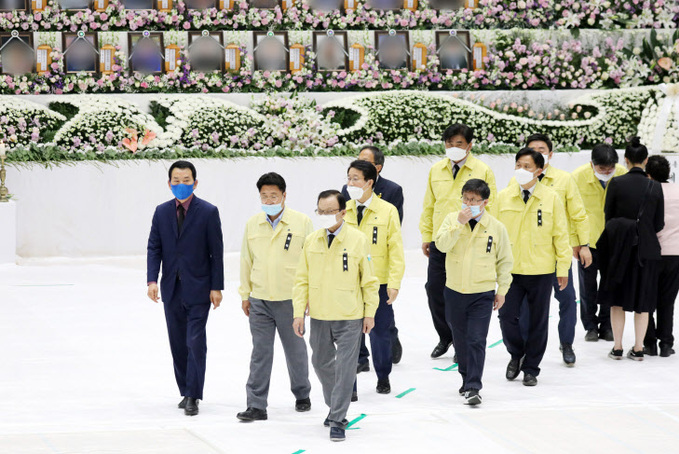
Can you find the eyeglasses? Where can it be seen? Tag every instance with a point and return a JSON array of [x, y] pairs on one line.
[[467, 201], [319, 212], [273, 198], [354, 180]]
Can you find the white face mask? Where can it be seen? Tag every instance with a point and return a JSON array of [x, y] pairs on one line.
[[355, 192], [546, 156], [603, 177], [456, 154], [523, 176], [325, 221]]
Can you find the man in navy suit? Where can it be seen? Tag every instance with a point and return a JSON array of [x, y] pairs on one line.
[[393, 193], [186, 237]]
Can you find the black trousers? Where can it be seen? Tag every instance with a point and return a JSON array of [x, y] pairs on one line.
[[469, 317], [538, 292], [436, 283], [668, 288], [589, 301]]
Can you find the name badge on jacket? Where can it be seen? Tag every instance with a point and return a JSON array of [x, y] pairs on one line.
[[375, 235], [489, 247], [345, 262], [539, 218], [287, 241]]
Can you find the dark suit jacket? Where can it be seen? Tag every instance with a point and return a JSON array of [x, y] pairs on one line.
[[386, 190], [624, 197], [196, 256]]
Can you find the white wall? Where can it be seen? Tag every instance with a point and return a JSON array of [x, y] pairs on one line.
[[93, 209]]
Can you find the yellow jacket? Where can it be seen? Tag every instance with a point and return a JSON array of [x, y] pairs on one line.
[[333, 291], [268, 261], [537, 230], [382, 228], [476, 260], [593, 197], [443, 194], [563, 184]]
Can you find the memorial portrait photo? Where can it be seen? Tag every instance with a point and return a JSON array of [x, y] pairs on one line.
[[80, 54], [16, 57], [206, 52], [392, 49], [331, 51], [452, 51], [270, 51], [146, 53]]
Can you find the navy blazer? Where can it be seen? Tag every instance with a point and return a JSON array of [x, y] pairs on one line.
[[196, 256], [386, 190]]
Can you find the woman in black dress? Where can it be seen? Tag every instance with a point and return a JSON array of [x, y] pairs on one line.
[[630, 249]]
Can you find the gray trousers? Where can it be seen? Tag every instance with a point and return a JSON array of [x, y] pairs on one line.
[[265, 318], [335, 346]]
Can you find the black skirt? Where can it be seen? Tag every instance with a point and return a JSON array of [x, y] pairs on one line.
[[638, 291]]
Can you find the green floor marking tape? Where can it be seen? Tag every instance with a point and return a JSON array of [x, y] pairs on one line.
[[299, 452], [354, 421], [495, 344], [577, 301], [407, 391], [447, 369]]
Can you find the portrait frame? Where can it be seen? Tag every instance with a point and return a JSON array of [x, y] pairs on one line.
[[281, 36], [340, 8], [26, 7], [88, 6], [27, 39], [437, 5], [66, 44], [397, 5], [215, 4], [218, 37], [279, 3], [145, 35], [381, 35], [463, 36], [154, 6], [342, 38]]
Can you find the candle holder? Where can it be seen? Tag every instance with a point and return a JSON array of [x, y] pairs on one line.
[[4, 192]]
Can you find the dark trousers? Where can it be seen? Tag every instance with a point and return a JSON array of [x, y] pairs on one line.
[[469, 319], [568, 311], [364, 353], [188, 342], [589, 302], [436, 283], [380, 336], [538, 291], [668, 287]]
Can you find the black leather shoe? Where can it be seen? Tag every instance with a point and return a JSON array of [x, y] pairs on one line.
[[363, 367], [354, 396], [461, 390], [651, 350], [383, 386], [337, 434], [303, 405], [440, 349], [473, 398], [666, 351], [606, 335], [396, 351], [182, 404], [191, 408], [252, 414], [592, 336], [568, 354], [513, 368], [529, 380], [455, 358]]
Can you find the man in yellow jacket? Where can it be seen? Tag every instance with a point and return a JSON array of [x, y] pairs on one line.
[[380, 223], [478, 258], [536, 221], [578, 228], [272, 245], [592, 180], [442, 197], [335, 281]]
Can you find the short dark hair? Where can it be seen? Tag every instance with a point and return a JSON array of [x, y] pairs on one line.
[[366, 168], [538, 159], [658, 168], [540, 138], [636, 152], [272, 179], [378, 156], [333, 192], [182, 165], [477, 186], [604, 155], [458, 129]]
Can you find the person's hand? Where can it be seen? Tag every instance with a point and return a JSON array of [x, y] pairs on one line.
[[152, 292], [563, 282], [425, 249], [246, 307], [499, 302], [464, 216], [576, 253], [216, 298], [298, 326], [585, 256], [392, 293], [368, 324]]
